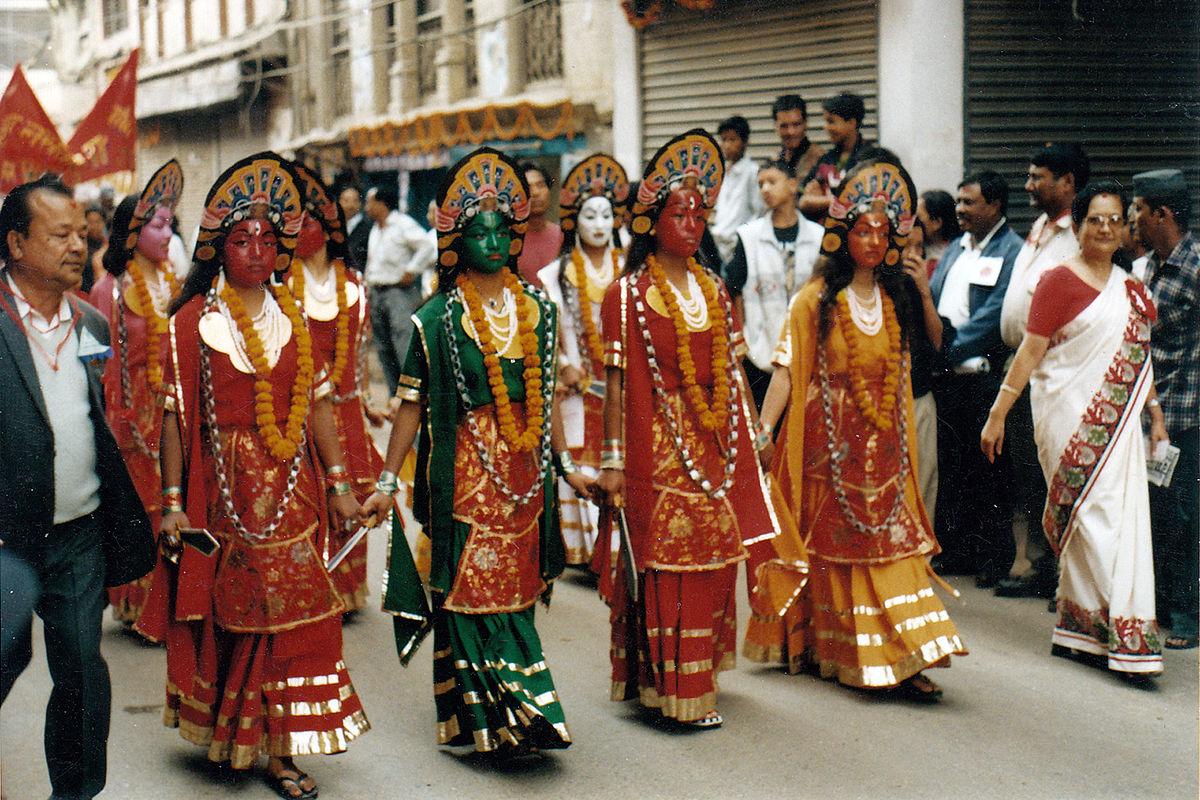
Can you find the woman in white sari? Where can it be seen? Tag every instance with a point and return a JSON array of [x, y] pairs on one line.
[[1086, 353]]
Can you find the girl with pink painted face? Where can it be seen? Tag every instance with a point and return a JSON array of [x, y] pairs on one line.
[[134, 295]]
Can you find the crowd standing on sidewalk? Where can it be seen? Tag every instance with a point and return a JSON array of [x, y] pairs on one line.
[[784, 368]]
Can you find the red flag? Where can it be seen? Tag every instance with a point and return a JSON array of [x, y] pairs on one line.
[[106, 139], [29, 142]]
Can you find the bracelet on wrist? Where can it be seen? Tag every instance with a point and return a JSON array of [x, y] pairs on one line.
[[612, 461], [386, 483], [1004, 387], [172, 508], [564, 464], [336, 469], [339, 488], [171, 491], [1153, 402], [761, 440]]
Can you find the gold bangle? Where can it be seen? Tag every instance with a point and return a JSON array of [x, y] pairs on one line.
[[1004, 387], [339, 488]]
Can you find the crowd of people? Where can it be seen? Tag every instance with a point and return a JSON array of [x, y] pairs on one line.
[[804, 365]]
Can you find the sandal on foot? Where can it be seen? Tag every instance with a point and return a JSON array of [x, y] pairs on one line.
[[1181, 642], [282, 785], [919, 688], [710, 720]]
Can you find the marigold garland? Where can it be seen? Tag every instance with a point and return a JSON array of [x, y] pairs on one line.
[[715, 416], [156, 324], [535, 402], [282, 446], [341, 344], [591, 336], [882, 414]]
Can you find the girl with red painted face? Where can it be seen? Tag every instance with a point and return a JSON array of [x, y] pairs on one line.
[[678, 458], [844, 463], [134, 294], [336, 308], [251, 455]]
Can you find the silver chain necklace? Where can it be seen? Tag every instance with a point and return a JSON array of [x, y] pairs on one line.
[[660, 399], [218, 451], [485, 457], [837, 452]]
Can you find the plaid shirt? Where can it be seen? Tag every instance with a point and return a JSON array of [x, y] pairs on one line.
[[1175, 336]]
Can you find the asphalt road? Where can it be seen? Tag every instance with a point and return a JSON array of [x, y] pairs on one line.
[[1015, 723]]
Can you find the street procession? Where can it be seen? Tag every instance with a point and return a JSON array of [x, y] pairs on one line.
[[553, 354]]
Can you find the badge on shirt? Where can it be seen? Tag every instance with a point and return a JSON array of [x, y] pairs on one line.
[[91, 349], [987, 270]]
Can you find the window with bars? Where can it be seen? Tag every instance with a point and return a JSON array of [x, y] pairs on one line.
[[115, 16], [339, 57], [542, 56], [429, 31]]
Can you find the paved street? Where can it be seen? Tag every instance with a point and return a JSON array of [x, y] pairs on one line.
[[1014, 723]]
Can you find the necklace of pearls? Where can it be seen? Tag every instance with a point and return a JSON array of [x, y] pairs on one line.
[[867, 316]]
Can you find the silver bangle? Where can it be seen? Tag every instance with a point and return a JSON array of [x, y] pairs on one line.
[[564, 464], [1153, 402], [386, 484]]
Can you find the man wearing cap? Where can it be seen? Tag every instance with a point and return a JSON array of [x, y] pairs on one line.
[[1161, 210], [1056, 172]]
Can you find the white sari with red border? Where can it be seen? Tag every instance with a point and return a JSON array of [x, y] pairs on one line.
[[1087, 395]]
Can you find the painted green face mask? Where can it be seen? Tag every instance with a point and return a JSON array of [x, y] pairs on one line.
[[486, 243]]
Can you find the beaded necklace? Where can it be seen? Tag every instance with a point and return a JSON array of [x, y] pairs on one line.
[[712, 417], [729, 411], [584, 279], [542, 455], [535, 405], [282, 446], [218, 451], [341, 344], [878, 414]]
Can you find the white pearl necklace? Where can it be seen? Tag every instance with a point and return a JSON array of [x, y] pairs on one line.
[[322, 291], [502, 321], [692, 306], [270, 324], [867, 318]]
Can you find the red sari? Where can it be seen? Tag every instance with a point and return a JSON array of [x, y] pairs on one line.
[[363, 461], [256, 628], [134, 412], [668, 646]]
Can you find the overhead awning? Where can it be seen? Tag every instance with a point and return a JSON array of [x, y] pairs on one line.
[[432, 133]]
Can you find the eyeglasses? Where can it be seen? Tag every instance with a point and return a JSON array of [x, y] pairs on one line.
[[1100, 220]]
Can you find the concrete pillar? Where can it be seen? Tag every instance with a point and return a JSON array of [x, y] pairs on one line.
[[622, 50], [921, 60]]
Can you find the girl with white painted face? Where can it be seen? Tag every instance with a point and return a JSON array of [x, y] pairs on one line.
[[593, 202]]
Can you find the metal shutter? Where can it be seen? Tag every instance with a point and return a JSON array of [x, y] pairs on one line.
[[1124, 81], [699, 67]]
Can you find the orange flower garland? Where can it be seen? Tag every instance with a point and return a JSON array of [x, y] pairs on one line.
[[880, 415], [341, 344], [282, 446], [591, 335], [156, 324], [715, 416], [535, 402]]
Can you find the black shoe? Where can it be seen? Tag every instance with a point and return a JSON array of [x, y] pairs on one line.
[[1028, 585], [986, 580]]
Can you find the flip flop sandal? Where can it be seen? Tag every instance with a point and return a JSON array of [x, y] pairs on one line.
[[1177, 642], [710, 720], [919, 688], [279, 783]]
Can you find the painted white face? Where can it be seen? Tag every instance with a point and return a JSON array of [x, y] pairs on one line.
[[596, 222]]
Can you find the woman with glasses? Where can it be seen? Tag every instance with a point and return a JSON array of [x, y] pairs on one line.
[[1086, 354]]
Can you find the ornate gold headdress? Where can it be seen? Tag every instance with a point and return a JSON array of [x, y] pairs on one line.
[[319, 204], [877, 185], [598, 175], [690, 159], [484, 180], [164, 188]]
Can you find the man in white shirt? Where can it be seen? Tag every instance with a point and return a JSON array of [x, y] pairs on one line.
[[1056, 172], [974, 513], [398, 251], [738, 201]]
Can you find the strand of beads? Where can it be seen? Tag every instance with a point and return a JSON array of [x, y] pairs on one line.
[[660, 396], [535, 405], [281, 445], [589, 336], [543, 454], [218, 451], [880, 415], [837, 453], [712, 417], [341, 342]]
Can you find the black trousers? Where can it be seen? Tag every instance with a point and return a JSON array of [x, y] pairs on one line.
[[975, 497], [1030, 485], [69, 565], [1175, 526]]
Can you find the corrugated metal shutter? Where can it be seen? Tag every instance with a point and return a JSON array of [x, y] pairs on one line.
[[699, 67], [1124, 81]]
